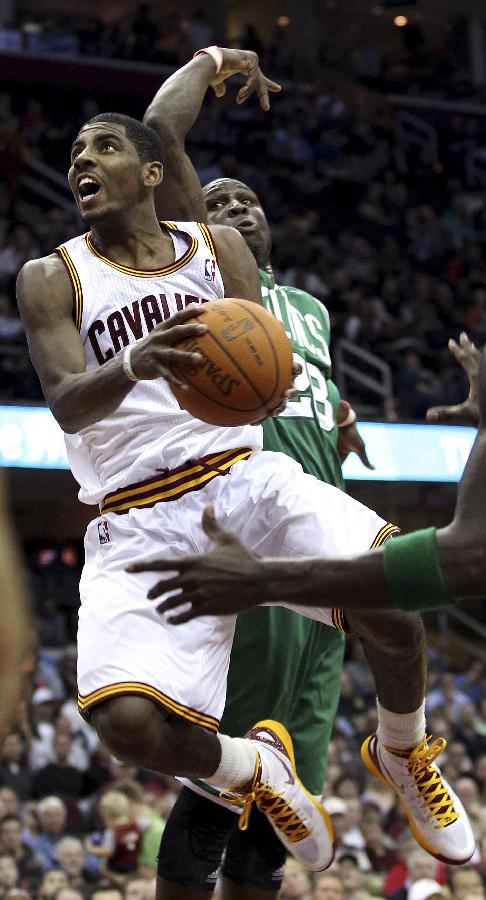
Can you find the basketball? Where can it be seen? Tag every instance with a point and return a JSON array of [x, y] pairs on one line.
[[247, 364]]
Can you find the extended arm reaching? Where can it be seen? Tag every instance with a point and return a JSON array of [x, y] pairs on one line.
[[172, 113], [418, 571]]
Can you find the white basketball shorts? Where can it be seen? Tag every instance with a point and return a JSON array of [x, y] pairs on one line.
[[126, 647]]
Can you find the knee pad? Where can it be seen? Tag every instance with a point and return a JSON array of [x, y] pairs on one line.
[[193, 841], [255, 857]]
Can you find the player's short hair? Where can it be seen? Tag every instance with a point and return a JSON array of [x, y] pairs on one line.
[[145, 140]]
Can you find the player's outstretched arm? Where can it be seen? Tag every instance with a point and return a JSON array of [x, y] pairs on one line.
[[78, 398], [418, 571], [175, 108], [466, 413]]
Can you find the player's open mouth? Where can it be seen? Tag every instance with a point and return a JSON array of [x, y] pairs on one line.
[[88, 188], [246, 225]]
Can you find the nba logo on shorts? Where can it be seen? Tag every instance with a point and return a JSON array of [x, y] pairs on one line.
[[104, 532], [209, 269]]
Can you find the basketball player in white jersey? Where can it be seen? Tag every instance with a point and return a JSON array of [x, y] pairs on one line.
[[102, 315]]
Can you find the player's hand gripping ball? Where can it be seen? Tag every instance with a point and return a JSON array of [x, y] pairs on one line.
[[246, 364]]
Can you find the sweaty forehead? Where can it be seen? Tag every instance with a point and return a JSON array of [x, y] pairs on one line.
[[101, 127], [226, 186]]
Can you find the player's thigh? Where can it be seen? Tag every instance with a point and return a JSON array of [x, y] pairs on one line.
[[192, 847], [254, 860], [278, 510]]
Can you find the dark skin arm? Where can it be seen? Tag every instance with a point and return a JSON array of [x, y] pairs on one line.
[[78, 398], [179, 196], [466, 413], [230, 578]]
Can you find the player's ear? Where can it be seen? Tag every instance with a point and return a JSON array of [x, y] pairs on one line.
[[153, 174]]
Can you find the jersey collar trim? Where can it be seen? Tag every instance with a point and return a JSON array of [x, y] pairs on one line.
[[148, 273]]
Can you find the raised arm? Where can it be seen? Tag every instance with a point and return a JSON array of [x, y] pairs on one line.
[[78, 398], [172, 113]]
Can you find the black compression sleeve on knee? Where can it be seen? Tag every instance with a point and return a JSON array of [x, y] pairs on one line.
[[255, 857], [193, 841]]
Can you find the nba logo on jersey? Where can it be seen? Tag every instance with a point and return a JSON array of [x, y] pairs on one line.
[[209, 269], [104, 532]]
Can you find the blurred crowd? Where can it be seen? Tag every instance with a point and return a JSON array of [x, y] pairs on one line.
[[74, 821], [387, 232]]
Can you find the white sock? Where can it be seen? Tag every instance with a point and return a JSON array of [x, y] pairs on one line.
[[401, 730], [237, 764]]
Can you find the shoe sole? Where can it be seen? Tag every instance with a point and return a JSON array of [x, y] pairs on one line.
[[373, 767], [285, 738]]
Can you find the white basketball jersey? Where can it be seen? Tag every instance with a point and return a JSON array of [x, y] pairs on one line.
[[115, 306]]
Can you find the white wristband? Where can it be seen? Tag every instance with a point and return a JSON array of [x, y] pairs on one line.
[[127, 366], [216, 55]]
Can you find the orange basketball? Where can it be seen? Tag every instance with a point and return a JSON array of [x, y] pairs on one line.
[[247, 364]]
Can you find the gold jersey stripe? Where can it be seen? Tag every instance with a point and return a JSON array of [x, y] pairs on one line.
[[208, 238], [337, 616], [135, 687], [170, 477], [75, 284], [154, 492], [383, 534], [146, 273]]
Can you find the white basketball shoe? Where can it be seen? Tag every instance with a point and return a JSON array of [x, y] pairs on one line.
[[298, 819], [435, 814]]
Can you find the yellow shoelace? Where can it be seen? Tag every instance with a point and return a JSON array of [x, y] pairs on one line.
[[273, 805], [429, 782]]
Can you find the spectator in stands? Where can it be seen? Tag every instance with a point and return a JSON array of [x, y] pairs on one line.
[[14, 772], [151, 823], [419, 864], [51, 623], [29, 864], [11, 328], [69, 893], [52, 817], [58, 775], [137, 888], [43, 711], [465, 883], [71, 856], [9, 802], [328, 886], [120, 844], [9, 873], [53, 880], [296, 883]]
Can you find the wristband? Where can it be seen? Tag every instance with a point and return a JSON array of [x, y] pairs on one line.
[[127, 366], [413, 572], [216, 55], [351, 416]]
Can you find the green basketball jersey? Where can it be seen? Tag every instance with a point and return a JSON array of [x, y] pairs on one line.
[[284, 666], [306, 430]]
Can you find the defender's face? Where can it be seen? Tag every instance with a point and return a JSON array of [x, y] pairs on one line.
[[233, 203], [105, 175]]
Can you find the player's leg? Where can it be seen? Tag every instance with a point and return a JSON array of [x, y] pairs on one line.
[[253, 864], [155, 693], [192, 847], [306, 517]]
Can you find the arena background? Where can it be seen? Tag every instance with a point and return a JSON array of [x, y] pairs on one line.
[[371, 165]]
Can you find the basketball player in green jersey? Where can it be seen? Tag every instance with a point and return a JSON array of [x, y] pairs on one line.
[[278, 660]]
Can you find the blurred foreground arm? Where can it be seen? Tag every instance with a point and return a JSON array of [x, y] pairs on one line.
[[15, 631]]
